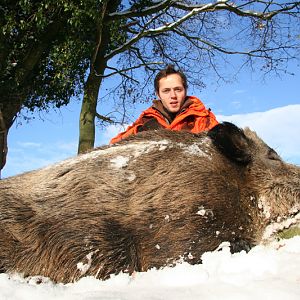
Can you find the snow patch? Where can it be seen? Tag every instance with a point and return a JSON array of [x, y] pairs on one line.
[[135, 149], [83, 268], [264, 207], [130, 176], [149, 146], [205, 212], [194, 150], [119, 162], [276, 227], [201, 211]]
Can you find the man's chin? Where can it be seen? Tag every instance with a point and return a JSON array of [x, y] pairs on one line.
[[173, 109]]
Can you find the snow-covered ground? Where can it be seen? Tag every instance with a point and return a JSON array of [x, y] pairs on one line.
[[266, 272]]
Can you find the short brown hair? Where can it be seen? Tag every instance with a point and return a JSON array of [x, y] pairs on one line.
[[170, 69]]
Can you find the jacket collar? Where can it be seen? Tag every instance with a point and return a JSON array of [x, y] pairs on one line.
[[157, 105]]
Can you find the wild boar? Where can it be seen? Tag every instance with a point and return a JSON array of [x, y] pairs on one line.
[[157, 198]]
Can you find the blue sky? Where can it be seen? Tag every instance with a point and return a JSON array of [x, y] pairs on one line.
[[271, 107]]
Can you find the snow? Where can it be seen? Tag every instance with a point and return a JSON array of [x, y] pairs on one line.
[[205, 212], [136, 149], [262, 205], [85, 267], [119, 162], [280, 225], [266, 272], [194, 149]]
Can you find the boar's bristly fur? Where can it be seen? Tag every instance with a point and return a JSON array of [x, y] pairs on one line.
[[156, 198]]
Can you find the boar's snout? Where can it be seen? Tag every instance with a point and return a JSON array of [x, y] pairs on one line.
[[274, 180]]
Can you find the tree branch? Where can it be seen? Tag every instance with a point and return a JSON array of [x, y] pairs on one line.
[[104, 118], [159, 30], [219, 5], [123, 71], [194, 10], [129, 13]]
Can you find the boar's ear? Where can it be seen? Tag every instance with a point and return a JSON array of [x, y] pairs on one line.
[[231, 141]]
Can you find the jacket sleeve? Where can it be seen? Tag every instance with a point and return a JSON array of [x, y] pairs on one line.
[[132, 129]]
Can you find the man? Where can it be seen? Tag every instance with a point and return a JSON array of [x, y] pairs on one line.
[[174, 110]]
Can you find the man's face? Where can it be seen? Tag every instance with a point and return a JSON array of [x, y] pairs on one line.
[[172, 92]]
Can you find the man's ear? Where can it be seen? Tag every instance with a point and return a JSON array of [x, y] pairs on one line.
[[232, 142]]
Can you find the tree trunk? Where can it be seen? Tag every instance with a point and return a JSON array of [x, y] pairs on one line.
[[3, 142], [88, 113], [8, 113], [91, 91]]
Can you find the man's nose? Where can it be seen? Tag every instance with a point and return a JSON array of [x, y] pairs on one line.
[[173, 94]]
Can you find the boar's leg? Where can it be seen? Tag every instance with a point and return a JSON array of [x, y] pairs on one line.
[[232, 142]]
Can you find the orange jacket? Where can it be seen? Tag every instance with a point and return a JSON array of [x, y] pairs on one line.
[[192, 117]]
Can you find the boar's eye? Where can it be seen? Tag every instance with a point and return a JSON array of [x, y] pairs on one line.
[[273, 155]]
